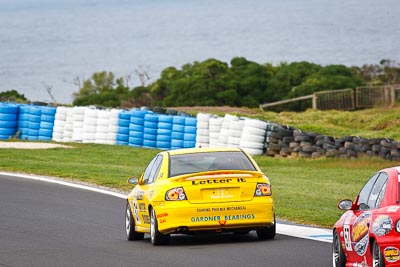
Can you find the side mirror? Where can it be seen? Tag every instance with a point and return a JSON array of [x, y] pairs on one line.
[[345, 204], [133, 180]]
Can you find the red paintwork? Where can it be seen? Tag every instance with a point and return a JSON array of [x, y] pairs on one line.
[[362, 223]]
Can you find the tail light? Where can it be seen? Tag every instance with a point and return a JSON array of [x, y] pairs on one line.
[[263, 190], [175, 194]]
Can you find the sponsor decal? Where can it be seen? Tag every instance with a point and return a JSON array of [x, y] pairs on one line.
[[218, 181], [138, 195], [391, 254], [146, 219], [382, 225], [218, 218], [142, 207], [359, 233], [223, 222], [217, 209], [205, 218], [361, 264], [393, 209], [162, 215], [203, 210]]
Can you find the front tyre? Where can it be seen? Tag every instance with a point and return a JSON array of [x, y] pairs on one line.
[[377, 257], [131, 234], [338, 257], [156, 237]]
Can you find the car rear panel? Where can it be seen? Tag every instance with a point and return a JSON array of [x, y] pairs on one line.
[[221, 187], [217, 200]]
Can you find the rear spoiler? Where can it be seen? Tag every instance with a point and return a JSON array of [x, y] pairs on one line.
[[218, 175]]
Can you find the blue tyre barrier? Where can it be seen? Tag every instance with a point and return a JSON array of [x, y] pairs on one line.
[[189, 144], [149, 143], [8, 108], [151, 117], [34, 125], [24, 117], [176, 143], [135, 141], [34, 118], [136, 120], [8, 117], [177, 135], [150, 124], [8, 124], [123, 130], [165, 125], [47, 118], [45, 132], [46, 125], [136, 134], [164, 138], [140, 113], [189, 121], [163, 132], [123, 123], [50, 111], [121, 143], [178, 128], [189, 137], [163, 145], [35, 111], [152, 131], [123, 137], [136, 127], [23, 124], [124, 115], [165, 118], [178, 120], [190, 129], [7, 131], [151, 137]]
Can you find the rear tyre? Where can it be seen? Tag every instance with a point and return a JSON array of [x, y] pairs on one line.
[[338, 257], [156, 237], [131, 234], [377, 257], [266, 232]]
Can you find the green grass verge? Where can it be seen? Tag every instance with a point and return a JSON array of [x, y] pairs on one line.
[[306, 191]]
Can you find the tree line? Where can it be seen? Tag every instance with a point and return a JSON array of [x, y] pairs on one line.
[[241, 83]]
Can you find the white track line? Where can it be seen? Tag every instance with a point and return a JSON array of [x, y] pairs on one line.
[[318, 234]]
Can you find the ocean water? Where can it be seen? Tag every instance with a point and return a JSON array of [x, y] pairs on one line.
[[52, 43]]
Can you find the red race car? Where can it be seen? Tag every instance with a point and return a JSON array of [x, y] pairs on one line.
[[368, 233]]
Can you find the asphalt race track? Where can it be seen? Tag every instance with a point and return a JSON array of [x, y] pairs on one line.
[[44, 224]]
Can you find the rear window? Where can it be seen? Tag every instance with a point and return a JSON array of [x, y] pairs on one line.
[[209, 161]]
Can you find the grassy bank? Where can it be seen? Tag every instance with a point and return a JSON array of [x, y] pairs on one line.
[[368, 123], [306, 191]]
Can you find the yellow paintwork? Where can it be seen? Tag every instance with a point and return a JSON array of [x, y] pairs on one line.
[[215, 200]]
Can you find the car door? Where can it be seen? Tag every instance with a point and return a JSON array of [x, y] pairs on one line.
[[144, 190], [357, 223]]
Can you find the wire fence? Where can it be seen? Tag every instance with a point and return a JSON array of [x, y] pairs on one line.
[[348, 99]]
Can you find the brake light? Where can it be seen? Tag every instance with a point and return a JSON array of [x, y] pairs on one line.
[[175, 194], [263, 190]]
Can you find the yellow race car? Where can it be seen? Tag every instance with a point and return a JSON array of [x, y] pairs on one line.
[[200, 189]]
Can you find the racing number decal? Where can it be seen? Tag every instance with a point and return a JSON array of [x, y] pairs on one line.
[[347, 240], [346, 230], [136, 212]]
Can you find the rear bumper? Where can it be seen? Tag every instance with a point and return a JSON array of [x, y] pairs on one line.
[[175, 217]]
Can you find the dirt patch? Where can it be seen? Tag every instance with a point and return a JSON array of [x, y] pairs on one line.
[[31, 145]]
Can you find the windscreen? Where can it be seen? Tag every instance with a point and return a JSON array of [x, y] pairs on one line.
[[209, 161]]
